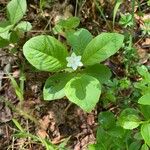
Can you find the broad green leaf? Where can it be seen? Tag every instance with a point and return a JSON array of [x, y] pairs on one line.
[[106, 119], [99, 71], [116, 131], [79, 40], [138, 136], [102, 47], [145, 111], [15, 10], [145, 99], [4, 39], [145, 131], [14, 37], [57, 29], [104, 140], [54, 86], [143, 71], [129, 119], [84, 91], [3, 42], [45, 53], [135, 145], [24, 26], [144, 147], [70, 23], [5, 26], [5, 35]]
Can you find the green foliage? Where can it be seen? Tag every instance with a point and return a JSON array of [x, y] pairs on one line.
[[54, 86], [83, 90], [81, 86], [146, 27], [66, 26], [109, 136], [11, 30], [126, 20], [102, 47], [45, 53], [145, 131], [144, 147], [144, 85], [99, 71], [79, 40], [145, 99], [106, 120], [18, 90], [129, 119], [15, 10]]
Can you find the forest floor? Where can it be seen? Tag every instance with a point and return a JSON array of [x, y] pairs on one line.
[[58, 120]]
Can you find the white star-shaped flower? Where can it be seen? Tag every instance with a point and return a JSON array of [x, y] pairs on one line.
[[74, 61]]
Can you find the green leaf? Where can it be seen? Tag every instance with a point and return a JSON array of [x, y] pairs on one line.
[[5, 26], [92, 147], [102, 47], [104, 140], [129, 119], [15, 10], [18, 90], [24, 26], [70, 23], [116, 131], [99, 71], [145, 131], [145, 99], [135, 145], [143, 71], [54, 86], [106, 119], [45, 53], [79, 40], [3, 42], [145, 111], [84, 91], [144, 147], [14, 37]]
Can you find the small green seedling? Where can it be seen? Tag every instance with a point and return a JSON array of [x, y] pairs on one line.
[[126, 20], [146, 27], [11, 28], [77, 74]]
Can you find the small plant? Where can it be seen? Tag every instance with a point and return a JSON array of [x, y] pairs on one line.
[[118, 132], [144, 85], [11, 28], [79, 76], [146, 27], [126, 20]]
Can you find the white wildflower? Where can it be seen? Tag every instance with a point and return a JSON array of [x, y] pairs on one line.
[[74, 61]]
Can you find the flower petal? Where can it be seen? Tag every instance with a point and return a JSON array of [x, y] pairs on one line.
[[80, 64]]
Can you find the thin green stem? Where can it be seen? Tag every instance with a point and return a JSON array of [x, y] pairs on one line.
[[102, 14]]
